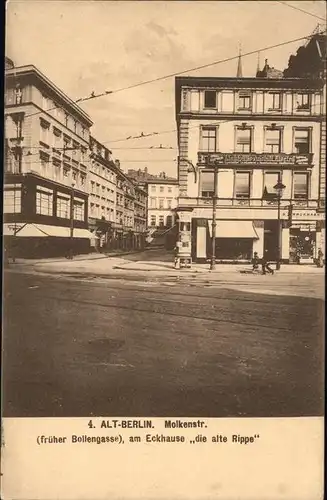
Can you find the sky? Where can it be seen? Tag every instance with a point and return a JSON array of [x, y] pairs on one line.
[[91, 46]]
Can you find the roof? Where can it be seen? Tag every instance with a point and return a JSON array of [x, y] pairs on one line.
[[163, 181], [30, 71]]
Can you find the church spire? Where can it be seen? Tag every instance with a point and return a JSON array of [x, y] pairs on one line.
[[258, 64], [239, 73]]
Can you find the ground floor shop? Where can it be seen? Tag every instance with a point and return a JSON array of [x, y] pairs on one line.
[[32, 240], [108, 237], [294, 241]]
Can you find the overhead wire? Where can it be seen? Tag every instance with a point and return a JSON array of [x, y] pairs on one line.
[[301, 10], [171, 75]]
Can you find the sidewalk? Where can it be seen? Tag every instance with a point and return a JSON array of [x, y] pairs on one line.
[[117, 263]]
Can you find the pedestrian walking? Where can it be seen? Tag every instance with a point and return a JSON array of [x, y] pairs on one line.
[[255, 262], [320, 258], [266, 266]]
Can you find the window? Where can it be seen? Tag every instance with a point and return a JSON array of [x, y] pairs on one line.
[[243, 140], [83, 179], [75, 126], [274, 101], [153, 189], [273, 140], [208, 139], [63, 206], [169, 202], [44, 162], [170, 190], [271, 179], [207, 184], [79, 210], [44, 132], [44, 201], [169, 221], [153, 203], [303, 101], [12, 200], [244, 100], [210, 99], [57, 143], [67, 145], [66, 171], [161, 189], [301, 141], [300, 183], [66, 119], [242, 185], [161, 221], [161, 203]]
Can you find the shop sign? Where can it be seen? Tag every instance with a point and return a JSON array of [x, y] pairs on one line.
[[304, 214], [254, 159]]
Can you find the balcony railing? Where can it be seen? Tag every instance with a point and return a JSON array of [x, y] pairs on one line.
[[255, 159], [249, 203]]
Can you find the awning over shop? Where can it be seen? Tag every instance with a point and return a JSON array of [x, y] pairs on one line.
[[234, 229], [31, 231], [43, 230]]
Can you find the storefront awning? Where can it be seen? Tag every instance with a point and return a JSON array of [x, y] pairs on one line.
[[234, 229], [44, 230], [31, 231]]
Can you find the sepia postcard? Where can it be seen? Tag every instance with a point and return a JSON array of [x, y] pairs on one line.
[[164, 250]]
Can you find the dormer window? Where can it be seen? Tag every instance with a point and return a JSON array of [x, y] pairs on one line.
[[303, 102], [210, 99], [244, 101]]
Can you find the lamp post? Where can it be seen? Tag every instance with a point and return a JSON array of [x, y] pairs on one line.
[[71, 239], [214, 223], [279, 188]]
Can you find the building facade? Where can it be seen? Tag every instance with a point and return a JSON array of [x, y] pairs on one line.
[[255, 133], [46, 165], [102, 181], [162, 202]]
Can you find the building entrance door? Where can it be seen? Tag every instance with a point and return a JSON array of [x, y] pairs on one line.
[[270, 243]]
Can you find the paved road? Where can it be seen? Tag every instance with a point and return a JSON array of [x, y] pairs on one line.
[[122, 347]]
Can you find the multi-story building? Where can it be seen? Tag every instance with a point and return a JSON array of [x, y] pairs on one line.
[[140, 217], [256, 133], [162, 202], [102, 181], [46, 164]]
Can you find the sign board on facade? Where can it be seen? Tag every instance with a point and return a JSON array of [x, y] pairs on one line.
[[254, 159], [185, 216], [304, 214]]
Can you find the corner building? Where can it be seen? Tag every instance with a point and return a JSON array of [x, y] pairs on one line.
[[255, 131]]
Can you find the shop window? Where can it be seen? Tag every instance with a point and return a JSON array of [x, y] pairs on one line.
[[274, 101], [207, 184], [243, 139], [242, 185], [302, 141], [12, 201], [273, 140], [210, 99], [300, 185], [209, 139], [44, 201], [161, 221], [244, 101], [303, 101]]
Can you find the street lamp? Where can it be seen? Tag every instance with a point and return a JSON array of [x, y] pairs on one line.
[[71, 241], [279, 188]]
